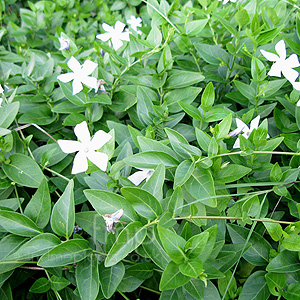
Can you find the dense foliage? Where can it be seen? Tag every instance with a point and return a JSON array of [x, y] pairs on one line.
[[156, 161]]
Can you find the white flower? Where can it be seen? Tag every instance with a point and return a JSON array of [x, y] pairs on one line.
[[242, 127], [64, 43], [86, 147], [115, 34], [80, 74], [282, 64], [226, 1], [1, 102], [135, 23], [298, 103], [137, 177], [1, 89], [100, 84], [111, 219]]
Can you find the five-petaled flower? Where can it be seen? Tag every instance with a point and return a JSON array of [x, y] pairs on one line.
[[116, 35], [137, 177], [282, 64], [242, 127], [80, 74], [135, 23], [111, 219], [64, 43], [226, 1], [86, 148]]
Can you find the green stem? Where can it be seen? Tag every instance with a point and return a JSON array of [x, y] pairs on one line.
[[232, 218], [19, 202], [54, 172], [125, 297], [150, 290], [161, 14], [55, 292]]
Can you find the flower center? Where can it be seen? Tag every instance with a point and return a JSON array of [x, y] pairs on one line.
[[86, 150]]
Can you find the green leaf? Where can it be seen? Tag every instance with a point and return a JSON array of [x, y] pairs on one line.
[[203, 139], [87, 278], [63, 213], [179, 79], [231, 172], [143, 202], [23, 170], [195, 27], [242, 17], [274, 230], [245, 89], [154, 250], [255, 287], [172, 278], [183, 172], [191, 110], [18, 224], [40, 115], [173, 244], [208, 96], [4, 277], [276, 282], [174, 294], [78, 99], [151, 159], [196, 244], [155, 183], [110, 278], [143, 270], [292, 242], [258, 253], [191, 268], [195, 288], [37, 246], [212, 54], [201, 187], [108, 203], [128, 240], [40, 286], [59, 283], [224, 127], [176, 201], [69, 252], [293, 292], [284, 262], [39, 207], [8, 114]]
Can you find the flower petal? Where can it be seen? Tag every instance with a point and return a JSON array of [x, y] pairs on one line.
[[99, 139], [276, 69], [69, 146], [117, 43], [74, 64], [66, 77], [107, 27], [280, 49], [103, 36], [119, 26], [137, 177], [236, 144], [296, 86], [80, 163], [241, 125], [77, 86], [88, 67], [117, 215], [82, 132], [90, 81], [298, 103], [269, 56], [292, 61], [254, 123], [290, 74], [99, 159]]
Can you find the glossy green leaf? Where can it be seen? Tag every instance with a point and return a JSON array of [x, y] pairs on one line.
[[108, 203], [231, 172], [191, 268], [68, 252], [39, 207], [196, 244], [276, 282], [8, 114], [143, 270], [18, 224], [77, 99], [63, 213], [179, 79], [128, 240], [284, 262], [87, 278], [143, 202], [110, 278], [172, 278], [40, 286], [23, 170]]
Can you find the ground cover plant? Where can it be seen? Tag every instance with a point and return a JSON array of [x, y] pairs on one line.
[[149, 149]]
